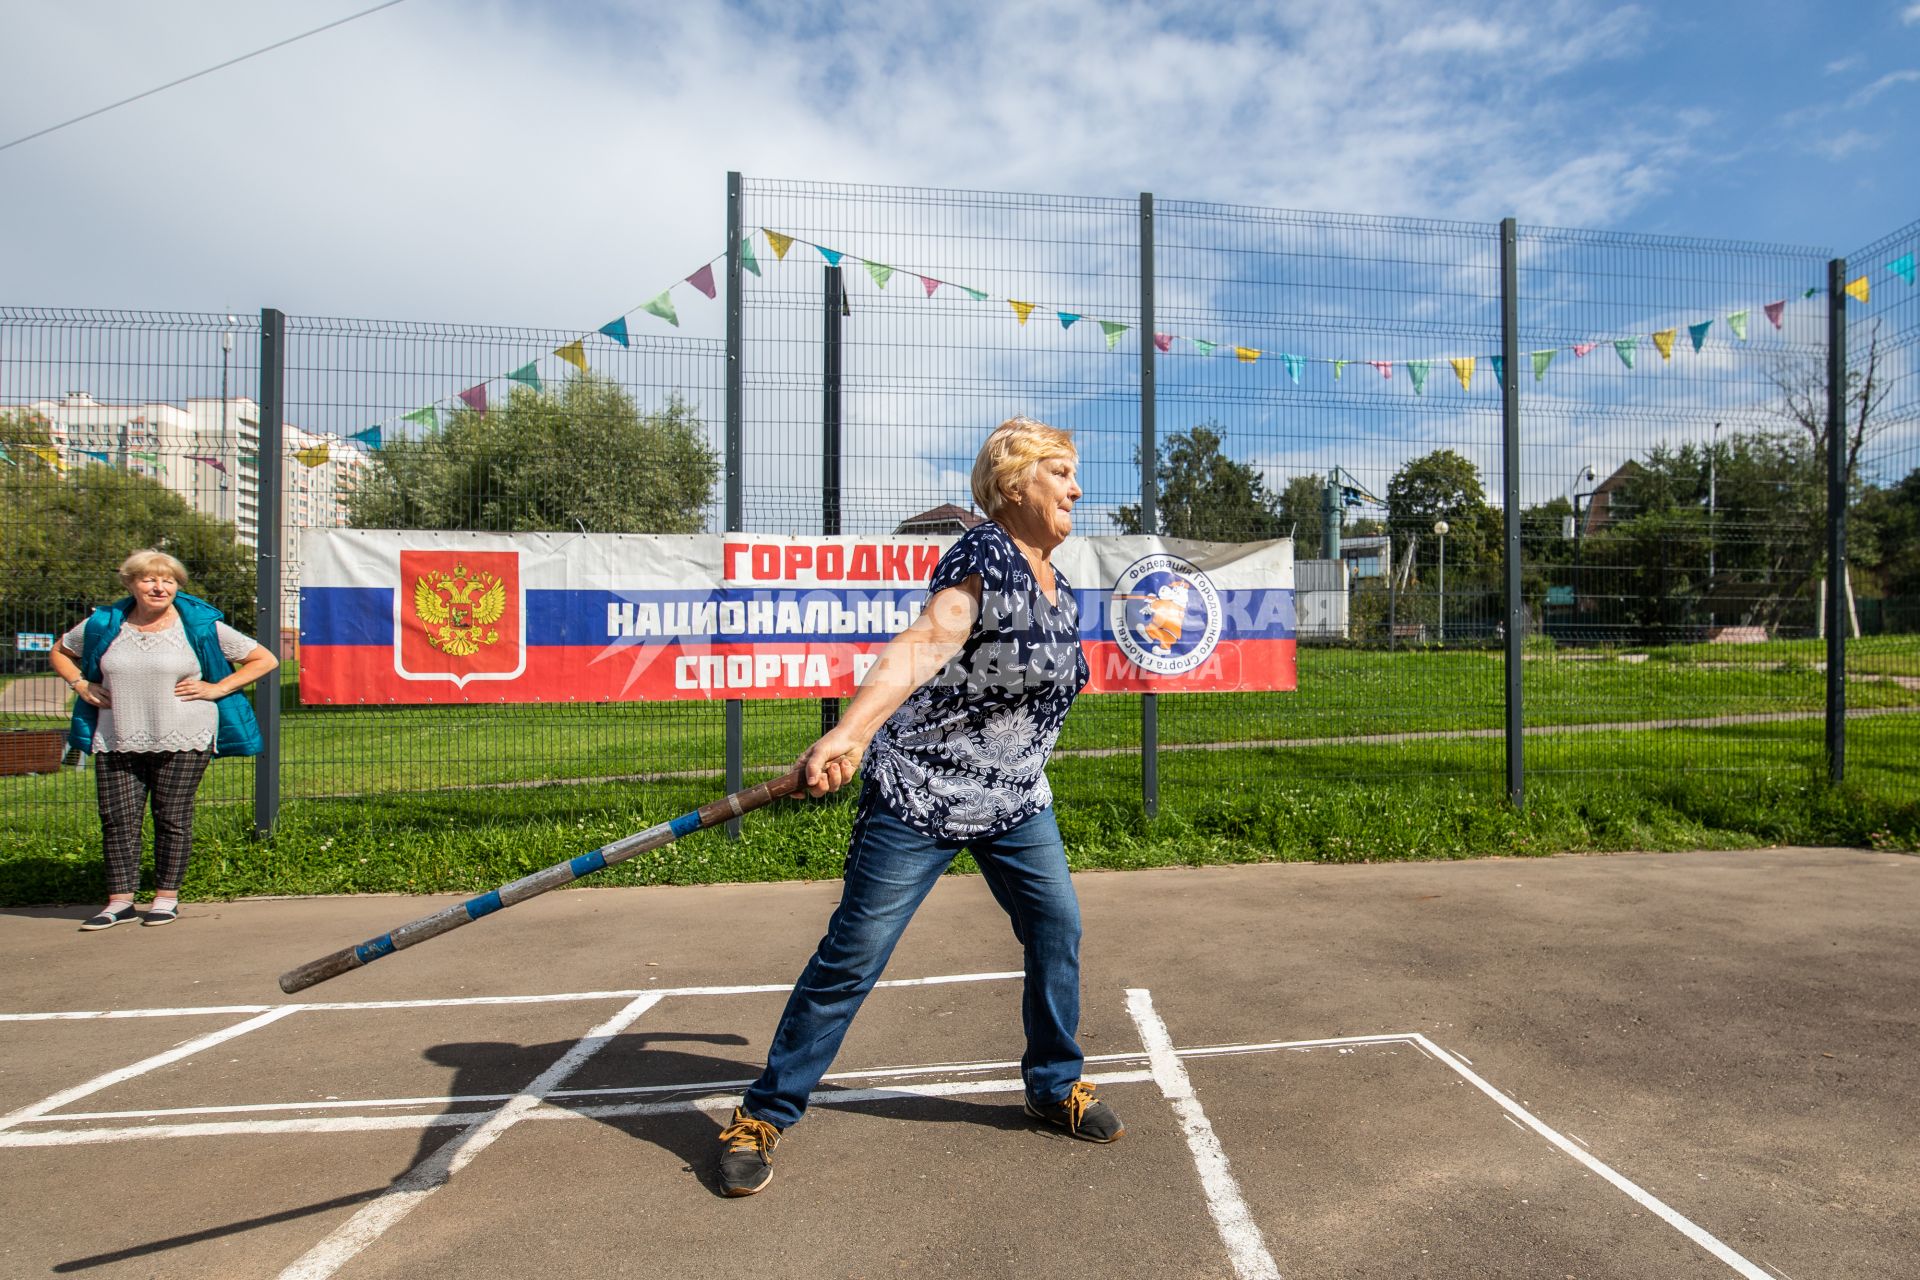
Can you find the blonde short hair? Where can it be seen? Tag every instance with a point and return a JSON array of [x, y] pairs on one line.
[[149, 561], [1009, 457]]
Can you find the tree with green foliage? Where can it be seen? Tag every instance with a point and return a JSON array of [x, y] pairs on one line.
[[67, 531], [1883, 537], [1300, 508], [1443, 485], [1207, 496], [577, 456]]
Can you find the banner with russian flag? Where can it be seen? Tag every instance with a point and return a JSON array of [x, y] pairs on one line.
[[423, 617]]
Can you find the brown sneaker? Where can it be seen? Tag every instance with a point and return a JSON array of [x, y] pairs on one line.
[[1080, 1114], [746, 1163]]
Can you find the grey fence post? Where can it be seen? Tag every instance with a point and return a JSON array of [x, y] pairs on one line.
[[1836, 519], [1149, 497], [267, 540], [736, 501], [1510, 469], [834, 304]]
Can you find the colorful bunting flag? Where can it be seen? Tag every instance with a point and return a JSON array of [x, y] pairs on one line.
[[7, 457], [832, 256], [1463, 370], [428, 417], [1499, 369], [1417, 369], [48, 455], [574, 353], [617, 329], [1624, 348], [1541, 359], [747, 261], [1810, 292], [1698, 332], [780, 243], [475, 397], [1205, 348], [1293, 365], [1664, 341], [1066, 319], [880, 273], [1859, 289], [1902, 266], [1338, 365], [1738, 323], [371, 438], [1113, 332], [929, 284], [527, 374], [1245, 355], [703, 281], [98, 455], [661, 306], [313, 457], [978, 295], [1773, 310], [220, 466], [1164, 341], [1384, 366], [1021, 309], [1580, 349]]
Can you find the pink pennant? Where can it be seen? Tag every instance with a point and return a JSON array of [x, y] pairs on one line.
[[929, 285], [703, 280], [1384, 366], [1581, 348], [475, 397], [1773, 310], [1164, 341]]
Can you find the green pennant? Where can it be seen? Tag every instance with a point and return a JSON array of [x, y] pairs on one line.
[[1206, 348], [1737, 322], [1113, 332], [880, 272], [1418, 369], [428, 417], [1338, 365], [747, 260], [528, 374], [978, 295], [1624, 349], [662, 306], [1541, 359]]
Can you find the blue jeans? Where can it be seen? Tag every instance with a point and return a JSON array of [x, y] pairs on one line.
[[890, 870]]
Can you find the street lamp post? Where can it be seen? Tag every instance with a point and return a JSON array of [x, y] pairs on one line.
[[1440, 530]]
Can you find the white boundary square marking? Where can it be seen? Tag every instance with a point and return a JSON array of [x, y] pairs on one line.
[[1160, 1063]]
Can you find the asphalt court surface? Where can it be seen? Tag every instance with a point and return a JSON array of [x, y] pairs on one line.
[[1630, 1066]]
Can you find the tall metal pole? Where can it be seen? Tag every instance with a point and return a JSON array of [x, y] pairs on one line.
[[1836, 519], [266, 561], [834, 308], [1510, 468], [736, 490], [1149, 495]]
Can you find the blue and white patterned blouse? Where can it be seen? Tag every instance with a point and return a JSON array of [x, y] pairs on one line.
[[965, 756]]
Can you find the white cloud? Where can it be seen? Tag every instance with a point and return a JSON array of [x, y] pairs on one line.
[[1911, 15]]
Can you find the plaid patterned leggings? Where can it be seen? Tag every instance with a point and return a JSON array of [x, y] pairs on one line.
[[125, 780]]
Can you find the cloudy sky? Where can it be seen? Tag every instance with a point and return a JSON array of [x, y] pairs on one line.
[[521, 163]]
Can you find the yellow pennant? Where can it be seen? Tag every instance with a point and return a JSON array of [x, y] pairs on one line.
[[1664, 341], [1021, 309], [312, 457], [780, 243], [1463, 370], [49, 456], [1246, 355], [1858, 289], [574, 353]]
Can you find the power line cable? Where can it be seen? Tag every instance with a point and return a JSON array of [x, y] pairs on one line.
[[279, 44]]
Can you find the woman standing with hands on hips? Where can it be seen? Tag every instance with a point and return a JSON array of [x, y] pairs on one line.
[[952, 729], [154, 679]]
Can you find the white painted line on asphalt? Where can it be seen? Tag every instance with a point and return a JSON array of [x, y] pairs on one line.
[[145, 1065], [1245, 1247], [432, 1173], [1646, 1199], [452, 1002]]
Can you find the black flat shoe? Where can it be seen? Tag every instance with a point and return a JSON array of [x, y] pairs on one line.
[[108, 919], [160, 915]]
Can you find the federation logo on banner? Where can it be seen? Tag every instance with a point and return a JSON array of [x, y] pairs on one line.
[[461, 615], [1165, 615]]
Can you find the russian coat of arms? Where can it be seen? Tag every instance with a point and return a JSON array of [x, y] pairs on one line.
[[459, 609]]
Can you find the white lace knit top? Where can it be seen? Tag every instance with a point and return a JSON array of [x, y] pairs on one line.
[[139, 670]]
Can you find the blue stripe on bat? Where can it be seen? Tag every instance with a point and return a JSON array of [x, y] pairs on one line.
[[368, 952], [685, 823], [484, 905], [588, 863]]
